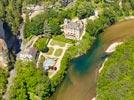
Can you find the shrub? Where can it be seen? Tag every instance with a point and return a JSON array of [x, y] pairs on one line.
[[3, 81], [41, 44], [35, 26]]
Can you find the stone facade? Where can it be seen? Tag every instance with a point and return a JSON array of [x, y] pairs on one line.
[[73, 30], [28, 54]]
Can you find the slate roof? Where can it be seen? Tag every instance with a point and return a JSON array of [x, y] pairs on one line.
[[32, 51], [73, 25]]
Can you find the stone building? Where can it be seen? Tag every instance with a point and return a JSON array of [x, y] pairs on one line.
[[73, 30], [28, 54]]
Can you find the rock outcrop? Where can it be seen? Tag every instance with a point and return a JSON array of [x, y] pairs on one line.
[[3, 47]]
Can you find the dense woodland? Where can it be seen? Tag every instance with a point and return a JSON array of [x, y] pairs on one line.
[[3, 81], [116, 81], [30, 80], [11, 10]]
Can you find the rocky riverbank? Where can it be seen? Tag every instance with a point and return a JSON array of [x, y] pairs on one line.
[[109, 50]]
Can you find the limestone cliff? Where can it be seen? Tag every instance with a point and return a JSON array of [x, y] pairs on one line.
[[3, 46]]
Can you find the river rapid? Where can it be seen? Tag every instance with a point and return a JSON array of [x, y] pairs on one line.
[[80, 81]]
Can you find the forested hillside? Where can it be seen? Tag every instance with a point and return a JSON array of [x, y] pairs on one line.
[[31, 81], [11, 11], [116, 81], [3, 81]]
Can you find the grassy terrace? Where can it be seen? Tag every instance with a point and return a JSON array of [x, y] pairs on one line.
[[42, 59], [58, 52], [41, 43], [61, 38], [50, 51], [54, 42]]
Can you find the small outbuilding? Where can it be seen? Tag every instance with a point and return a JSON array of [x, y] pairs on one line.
[[28, 54]]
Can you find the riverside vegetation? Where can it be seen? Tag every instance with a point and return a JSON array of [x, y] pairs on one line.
[[116, 79], [49, 23]]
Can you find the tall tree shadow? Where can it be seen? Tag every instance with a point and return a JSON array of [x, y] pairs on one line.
[[12, 42]]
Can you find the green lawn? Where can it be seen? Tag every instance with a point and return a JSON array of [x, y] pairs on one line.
[[58, 52], [50, 73], [42, 59], [50, 51], [59, 43], [61, 38], [33, 96], [41, 43]]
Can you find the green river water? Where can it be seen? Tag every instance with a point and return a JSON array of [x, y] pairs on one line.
[[80, 81]]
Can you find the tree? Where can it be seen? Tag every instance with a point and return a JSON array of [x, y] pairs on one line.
[[2, 10], [13, 16], [109, 14], [19, 5], [85, 9], [116, 80], [29, 80], [35, 26], [3, 81], [95, 27], [132, 4], [55, 26], [46, 28]]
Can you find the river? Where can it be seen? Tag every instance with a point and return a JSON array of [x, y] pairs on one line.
[[80, 81]]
